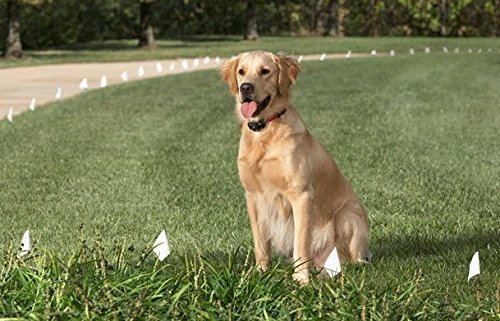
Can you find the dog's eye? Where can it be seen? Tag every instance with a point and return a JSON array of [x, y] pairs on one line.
[[241, 72], [265, 71]]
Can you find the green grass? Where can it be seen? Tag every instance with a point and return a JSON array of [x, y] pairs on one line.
[[97, 177], [225, 46]]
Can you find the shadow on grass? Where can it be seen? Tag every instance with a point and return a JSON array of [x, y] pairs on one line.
[[131, 44], [405, 246], [213, 38], [99, 45]]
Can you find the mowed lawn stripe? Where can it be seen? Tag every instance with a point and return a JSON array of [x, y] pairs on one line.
[[226, 46], [96, 152], [416, 136]]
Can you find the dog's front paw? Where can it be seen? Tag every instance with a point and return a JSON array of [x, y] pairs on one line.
[[301, 276], [262, 266]]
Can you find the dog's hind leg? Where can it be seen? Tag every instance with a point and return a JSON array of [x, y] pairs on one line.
[[352, 233]]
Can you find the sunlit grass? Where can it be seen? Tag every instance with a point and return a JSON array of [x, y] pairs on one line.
[[225, 46], [96, 178]]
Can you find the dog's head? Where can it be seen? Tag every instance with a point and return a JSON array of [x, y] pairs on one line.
[[259, 81]]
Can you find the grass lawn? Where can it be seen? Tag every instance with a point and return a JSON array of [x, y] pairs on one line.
[[96, 178], [225, 46]]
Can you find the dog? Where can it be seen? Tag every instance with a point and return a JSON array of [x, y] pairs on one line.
[[297, 199]]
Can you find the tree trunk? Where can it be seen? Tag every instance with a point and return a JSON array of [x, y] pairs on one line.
[[331, 28], [444, 18], [146, 34], [373, 19], [318, 8], [494, 26], [341, 13], [279, 17], [13, 46], [251, 32]]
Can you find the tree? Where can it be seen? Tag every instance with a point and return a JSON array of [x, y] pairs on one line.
[[146, 32], [13, 46], [317, 15], [342, 12], [331, 28], [443, 8], [376, 7], [251, 32], [495, 16]]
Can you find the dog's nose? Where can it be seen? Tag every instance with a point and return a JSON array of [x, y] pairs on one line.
[[246, 88]]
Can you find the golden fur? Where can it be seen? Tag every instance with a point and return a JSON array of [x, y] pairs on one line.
[[297, 199]]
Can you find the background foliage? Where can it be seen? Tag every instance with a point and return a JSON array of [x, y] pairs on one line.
[[47, 23]]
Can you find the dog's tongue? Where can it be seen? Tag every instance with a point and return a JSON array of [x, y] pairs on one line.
[[247, 109]]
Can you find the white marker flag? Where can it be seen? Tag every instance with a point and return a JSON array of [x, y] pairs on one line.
[[104, 81], [206, 61], [470, 50], [479, 50], [489, 49], [32, 104], [25, 244], [445, 49], [332, 264], [217, 60], [392, 53], [300, 59], [172, 66], [373, 52], [161, 246], [196, 62], [159, 67], [412, 51], [140, 71], [124, 76], [84, 84], [59, 93], [427, 50], [184, 64], [10, 114], [322, 57], [348, 55], [474, 266], [457, 50]]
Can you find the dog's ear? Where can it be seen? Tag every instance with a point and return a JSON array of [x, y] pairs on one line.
[[288, 70], [228, 73]]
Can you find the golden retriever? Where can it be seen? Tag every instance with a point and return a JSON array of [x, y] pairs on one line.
[[297, 199]]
